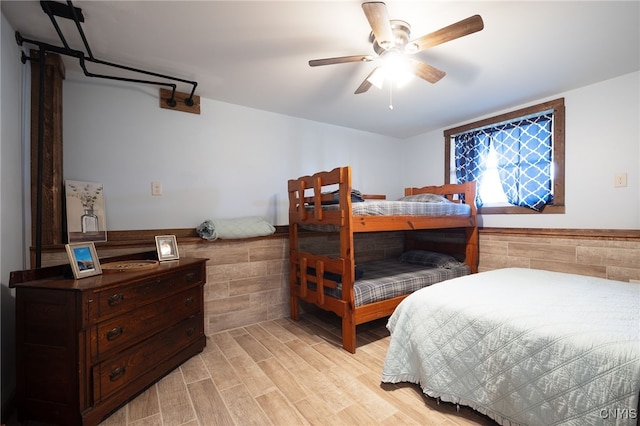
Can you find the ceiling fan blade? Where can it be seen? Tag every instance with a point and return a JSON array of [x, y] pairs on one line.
[[340, 60], [425, 71], [376, 13], [366, 84], [459, 29]]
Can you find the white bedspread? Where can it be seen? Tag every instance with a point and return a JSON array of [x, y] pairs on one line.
[[523, 346]]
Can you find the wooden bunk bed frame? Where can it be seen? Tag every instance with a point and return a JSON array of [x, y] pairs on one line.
[[305, 208]]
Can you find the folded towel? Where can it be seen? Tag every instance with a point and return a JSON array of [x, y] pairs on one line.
[[242, 227]]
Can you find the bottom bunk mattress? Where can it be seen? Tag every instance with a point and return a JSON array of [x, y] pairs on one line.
[[384, 279], [523, 346]]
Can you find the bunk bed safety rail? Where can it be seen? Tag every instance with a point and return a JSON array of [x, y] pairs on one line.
[[319, 271], [452, 193], [306, 198]]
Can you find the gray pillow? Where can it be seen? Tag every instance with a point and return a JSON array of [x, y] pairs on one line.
[[429, 258]]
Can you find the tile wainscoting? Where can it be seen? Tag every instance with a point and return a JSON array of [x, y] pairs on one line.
[[612, 254], [247, 280]]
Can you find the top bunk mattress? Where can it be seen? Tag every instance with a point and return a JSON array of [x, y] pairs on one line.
[[393, 208], [404, 208]]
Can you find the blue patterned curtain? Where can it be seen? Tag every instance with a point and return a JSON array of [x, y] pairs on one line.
[[524, 154], [471, 150]]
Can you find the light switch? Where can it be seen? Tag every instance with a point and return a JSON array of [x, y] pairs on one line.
[[620, 180], [156, 188]]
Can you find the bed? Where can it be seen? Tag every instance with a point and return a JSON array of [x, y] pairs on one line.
[[326, 202], [523, 346]]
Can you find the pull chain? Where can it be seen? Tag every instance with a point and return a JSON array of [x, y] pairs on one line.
[[391, 95]]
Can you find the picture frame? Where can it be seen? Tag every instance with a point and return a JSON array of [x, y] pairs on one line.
[[167, 247], [83, 259], [85, 212]]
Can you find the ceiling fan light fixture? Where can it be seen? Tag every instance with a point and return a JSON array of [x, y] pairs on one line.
[[396, 68], [398, 76], [392, 38]]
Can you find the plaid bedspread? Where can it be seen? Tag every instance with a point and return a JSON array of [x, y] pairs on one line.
[[384, 279]]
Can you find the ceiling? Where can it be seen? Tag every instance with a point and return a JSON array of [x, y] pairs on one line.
[[256, 53]]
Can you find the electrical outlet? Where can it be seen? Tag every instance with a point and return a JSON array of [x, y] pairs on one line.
[[156, 188], [620, 180]]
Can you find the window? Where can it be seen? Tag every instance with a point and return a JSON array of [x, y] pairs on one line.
[[517, 159]]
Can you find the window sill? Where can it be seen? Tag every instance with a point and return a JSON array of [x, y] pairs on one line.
[[519, 210]]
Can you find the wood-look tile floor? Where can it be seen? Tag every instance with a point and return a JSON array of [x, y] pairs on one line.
[[284, 372]]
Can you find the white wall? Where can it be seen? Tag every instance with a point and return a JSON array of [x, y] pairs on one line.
[[229, 161], [234, 161], [11, 224], [602, 138]]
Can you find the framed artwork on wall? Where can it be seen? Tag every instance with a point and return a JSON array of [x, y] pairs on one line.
[[86, 219], [167, 247], [83, 259]]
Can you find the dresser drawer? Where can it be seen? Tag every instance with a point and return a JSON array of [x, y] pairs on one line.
[[120, 300], [125, 330], [116, 372]]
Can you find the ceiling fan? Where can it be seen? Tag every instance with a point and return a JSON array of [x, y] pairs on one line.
[[391, 42]]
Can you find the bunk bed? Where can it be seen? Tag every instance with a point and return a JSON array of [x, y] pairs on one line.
[[325, 202]]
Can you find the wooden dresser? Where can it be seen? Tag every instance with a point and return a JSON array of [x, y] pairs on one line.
[[86, 347]]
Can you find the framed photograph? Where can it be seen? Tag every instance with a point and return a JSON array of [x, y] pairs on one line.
[[83, 259], [167, 247], [86, 220]]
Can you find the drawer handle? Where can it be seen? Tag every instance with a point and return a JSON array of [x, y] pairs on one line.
[[190, 331], [114, 333], [116, 373], [190, 277], [115, 299], [188, 301]]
